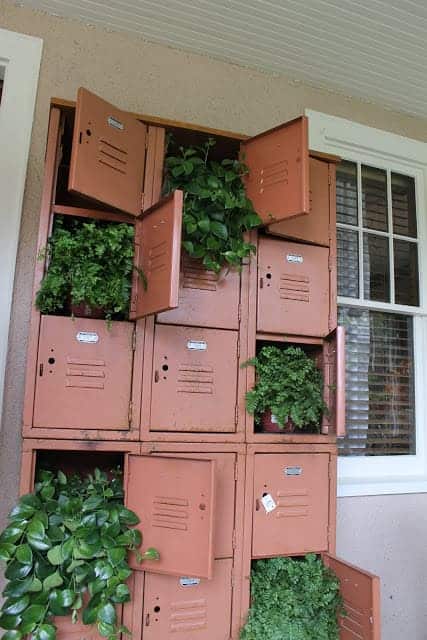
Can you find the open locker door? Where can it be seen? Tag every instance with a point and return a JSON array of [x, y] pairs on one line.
[[361, 594], [174, 499], [278, 180], [157, 258], [108, 154], [334, 383]]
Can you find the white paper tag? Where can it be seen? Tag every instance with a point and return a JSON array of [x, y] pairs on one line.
[[89, 337], [273, 419], [294, 258], [268, 503], [197, 345], [116, 124], [189, 582]]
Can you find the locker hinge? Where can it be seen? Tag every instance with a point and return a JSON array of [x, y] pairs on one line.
[[234, 539], [331, 263], [142, 201], [236, 414], [329, 178], [239, 312], [238, 349], [134, 339], [130, 411], [236, 471]]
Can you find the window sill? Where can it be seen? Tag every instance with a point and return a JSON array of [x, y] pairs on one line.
[[384, 486]]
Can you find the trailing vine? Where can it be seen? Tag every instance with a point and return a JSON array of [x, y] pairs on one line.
[[217, 211], [65, 549]]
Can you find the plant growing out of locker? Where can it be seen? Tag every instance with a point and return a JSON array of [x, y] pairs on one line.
[[217, 211], [90, 263], [288, 384], [293, 599], [65, 549]]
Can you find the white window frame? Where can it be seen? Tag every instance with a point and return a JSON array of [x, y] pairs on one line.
[[20, 55], [375, 475]]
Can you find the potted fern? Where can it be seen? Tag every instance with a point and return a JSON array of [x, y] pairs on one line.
[[217, 211], [90, 265], [288, 392]]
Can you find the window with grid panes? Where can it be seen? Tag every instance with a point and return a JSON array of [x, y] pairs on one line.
[[377, 263]]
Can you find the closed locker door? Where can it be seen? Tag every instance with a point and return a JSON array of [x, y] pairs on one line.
[[205, 298], [185, 608], [290, 504], [293, 288], [194, 382], [84, 374]]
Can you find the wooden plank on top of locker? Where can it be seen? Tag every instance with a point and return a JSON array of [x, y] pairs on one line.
[[108, 154]]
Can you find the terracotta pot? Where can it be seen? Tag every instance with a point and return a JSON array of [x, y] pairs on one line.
[[269, 424], [84, 310]]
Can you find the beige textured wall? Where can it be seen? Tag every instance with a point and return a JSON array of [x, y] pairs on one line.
[[384, 534]]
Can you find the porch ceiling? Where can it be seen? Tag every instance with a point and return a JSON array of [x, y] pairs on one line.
[[373, 49]]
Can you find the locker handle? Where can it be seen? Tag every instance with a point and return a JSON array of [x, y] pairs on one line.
[[156, 376], [147, 620], [257, 505], [41, 367], [261, 283]]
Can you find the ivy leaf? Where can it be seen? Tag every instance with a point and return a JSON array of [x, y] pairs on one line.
[[11, 534], [116, 555], [219, 230], [55, 555], [17, 588], [34, 613], [16, 570], [22, 511], [12, 634], [13, 607], [151, 554], [52, 581], [45, 632], [9, 622], [24, 554], [7, 550], [107, 613], [127, 516]]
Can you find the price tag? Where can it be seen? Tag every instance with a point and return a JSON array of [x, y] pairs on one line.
[[268, 503]]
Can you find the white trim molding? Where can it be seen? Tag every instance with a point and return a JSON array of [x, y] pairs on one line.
[[20, 57], [374, 475]]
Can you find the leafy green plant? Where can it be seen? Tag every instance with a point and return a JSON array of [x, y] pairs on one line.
[[293, 599], [65, 549], [216, 209], [288, 384], [88, 262]]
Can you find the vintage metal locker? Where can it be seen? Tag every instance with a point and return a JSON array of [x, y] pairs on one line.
[[175, 501], [157, 257], [290, 504], [278, 179], [361, 594], [205, 298], [316, 227], [108, 154], [194, 383], [333, 366], [293, 288], [84, 374], [187, 607]]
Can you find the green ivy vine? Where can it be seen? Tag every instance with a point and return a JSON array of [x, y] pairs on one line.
[[65, 549], [216, 210], [293, 599]]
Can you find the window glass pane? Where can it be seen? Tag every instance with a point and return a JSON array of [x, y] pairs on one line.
[[348, 263], [347, 192], [380, 395], [406, 272], [376, 268], [374, 198], [403, 202]]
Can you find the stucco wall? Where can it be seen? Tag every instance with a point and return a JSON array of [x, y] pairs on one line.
[[384, 534]]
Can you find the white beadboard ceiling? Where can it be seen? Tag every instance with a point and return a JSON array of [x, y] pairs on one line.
[[373, 49]]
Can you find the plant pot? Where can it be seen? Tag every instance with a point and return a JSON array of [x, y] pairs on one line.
[[269, 424], [84, 310]]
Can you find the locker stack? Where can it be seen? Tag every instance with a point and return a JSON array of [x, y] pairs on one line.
[[163, 393]]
